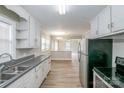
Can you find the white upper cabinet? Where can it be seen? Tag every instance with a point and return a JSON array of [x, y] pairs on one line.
[[94, 27], [104, 20], [37, 35], [117, 17], [110, 21], [32, 32], [25, 34], [27, 29], [18, 10]]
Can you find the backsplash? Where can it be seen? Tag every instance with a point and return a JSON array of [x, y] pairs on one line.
[[26, 52]]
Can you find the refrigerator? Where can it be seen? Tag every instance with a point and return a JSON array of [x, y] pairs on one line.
[[93, 53]]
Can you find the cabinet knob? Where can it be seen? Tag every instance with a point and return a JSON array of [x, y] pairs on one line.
[[108, 26], [112, 24], [97, 32]]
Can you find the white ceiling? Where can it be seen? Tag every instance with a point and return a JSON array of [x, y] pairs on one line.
[[75, 22]]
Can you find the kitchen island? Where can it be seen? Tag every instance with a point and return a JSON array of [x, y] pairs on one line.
[[107, 78]]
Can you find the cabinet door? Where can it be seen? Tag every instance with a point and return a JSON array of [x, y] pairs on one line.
[[29, 79], [104, 21], [18, 10], [45, 68], [32, 32], [37, 35], [49, 64], [117, 17], [39, 75], [94, 27], [17, 84], [25, 81]]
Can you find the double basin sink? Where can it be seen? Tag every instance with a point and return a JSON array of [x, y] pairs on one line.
[[11, 72]]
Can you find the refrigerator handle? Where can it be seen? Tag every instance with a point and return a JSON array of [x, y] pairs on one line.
[[84, 54], [79, 52]]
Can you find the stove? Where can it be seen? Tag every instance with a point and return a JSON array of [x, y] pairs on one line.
[[120, 65]]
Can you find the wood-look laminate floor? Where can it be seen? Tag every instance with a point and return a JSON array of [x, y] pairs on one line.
[[64, 74]]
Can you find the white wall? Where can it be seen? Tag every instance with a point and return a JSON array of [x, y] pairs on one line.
[[61, 55], [26, 52], [118, 49], [61, 45], [53, 47]]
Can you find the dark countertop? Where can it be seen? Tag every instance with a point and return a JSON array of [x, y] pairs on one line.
[[31, 63], [111, 76]]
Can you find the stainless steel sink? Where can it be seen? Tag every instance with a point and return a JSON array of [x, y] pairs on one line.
[[2, 81], [10, 73], [21, 68], [16, 70], [4, 76]]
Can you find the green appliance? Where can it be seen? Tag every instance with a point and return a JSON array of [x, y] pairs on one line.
[[93, 53]]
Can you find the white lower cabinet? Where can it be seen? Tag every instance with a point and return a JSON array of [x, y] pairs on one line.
[[33, 78], [45, 68], [39, 75], [26, 81], [49, 64]]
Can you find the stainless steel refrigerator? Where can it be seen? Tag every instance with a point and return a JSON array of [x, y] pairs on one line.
[[93, 53]]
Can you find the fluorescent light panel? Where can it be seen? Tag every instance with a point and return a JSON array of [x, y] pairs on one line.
[[58, 33], [59, 38], [62, 9]]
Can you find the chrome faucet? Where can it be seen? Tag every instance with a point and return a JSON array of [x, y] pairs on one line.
[[4, 66], [7, 55]]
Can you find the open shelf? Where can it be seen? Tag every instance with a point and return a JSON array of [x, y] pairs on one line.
[[22, 34]]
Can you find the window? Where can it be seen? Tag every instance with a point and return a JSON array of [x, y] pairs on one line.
[[67, 46], [7, 44], [45, 44], [5, 38], [56, 45]]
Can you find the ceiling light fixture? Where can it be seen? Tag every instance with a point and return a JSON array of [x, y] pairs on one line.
[[62, 9], [58, 33], [59, 38]]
